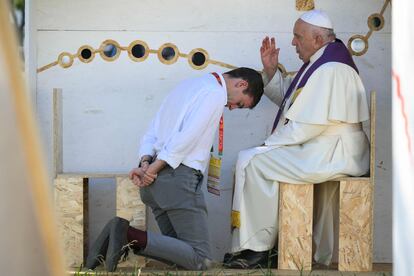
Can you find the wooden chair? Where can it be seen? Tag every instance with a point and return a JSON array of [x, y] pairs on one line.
[[355, 219]]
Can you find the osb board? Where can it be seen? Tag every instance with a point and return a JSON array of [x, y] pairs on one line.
[[305, 5], [355, 226], [295, 226], [69, 206], [130, 207]]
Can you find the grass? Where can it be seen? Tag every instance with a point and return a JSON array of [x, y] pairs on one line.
[[218, 272], [261, 271], [137, 271]]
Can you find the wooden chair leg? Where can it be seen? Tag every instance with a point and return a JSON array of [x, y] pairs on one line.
[[70, 193], [295, 226], [355, 225]]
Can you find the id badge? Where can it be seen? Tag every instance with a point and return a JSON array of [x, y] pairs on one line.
[[213, 180]]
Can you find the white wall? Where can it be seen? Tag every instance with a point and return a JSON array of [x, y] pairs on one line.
[[107, 105]]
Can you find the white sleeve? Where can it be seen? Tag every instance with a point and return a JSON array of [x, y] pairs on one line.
[[276, 87], [202, 116], [148, 140], [294, 133]]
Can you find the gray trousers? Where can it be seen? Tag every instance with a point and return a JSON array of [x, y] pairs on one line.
[[178, 204]]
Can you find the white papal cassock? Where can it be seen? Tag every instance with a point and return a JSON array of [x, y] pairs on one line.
[[322, 140]]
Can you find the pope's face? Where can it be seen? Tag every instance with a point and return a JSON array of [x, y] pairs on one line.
[[304, 40]]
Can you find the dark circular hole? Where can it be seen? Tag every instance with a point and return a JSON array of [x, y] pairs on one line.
[[110, 50], [168, 53], [376, 21], [138, 51], [198, 59], [86, 53]]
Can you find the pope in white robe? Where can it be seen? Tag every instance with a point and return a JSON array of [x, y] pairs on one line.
[[318, 138]]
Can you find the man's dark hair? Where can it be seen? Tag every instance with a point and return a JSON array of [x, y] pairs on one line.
[[253, 78]]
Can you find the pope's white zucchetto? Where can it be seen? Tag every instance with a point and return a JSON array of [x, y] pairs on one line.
[[318, 18]]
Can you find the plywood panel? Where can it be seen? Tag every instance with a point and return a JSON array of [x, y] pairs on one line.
[[130, 207], [69, 194], [355, 225], [295, 226]]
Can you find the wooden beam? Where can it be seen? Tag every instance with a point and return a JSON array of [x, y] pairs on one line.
[[85, 220], [57, 132], [91, 175], [373, 116]]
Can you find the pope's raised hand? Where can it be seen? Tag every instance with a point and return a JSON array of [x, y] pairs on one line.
[[270, 56]]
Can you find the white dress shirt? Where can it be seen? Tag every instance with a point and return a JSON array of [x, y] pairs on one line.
[[184, 127]]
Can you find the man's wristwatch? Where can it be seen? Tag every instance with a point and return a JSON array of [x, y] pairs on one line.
[[148, 160]]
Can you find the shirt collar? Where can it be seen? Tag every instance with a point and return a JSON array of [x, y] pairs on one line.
[[319, 53], [223, 82]]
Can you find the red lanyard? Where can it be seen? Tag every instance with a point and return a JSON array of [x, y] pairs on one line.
[[221, 126]]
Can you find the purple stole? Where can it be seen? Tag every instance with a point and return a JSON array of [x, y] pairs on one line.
[[335, 52]]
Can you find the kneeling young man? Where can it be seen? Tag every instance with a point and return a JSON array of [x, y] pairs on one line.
[[174, 154]]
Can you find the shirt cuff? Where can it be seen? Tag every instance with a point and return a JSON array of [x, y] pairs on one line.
[[265, 78], [143, 153], [173, 161]]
